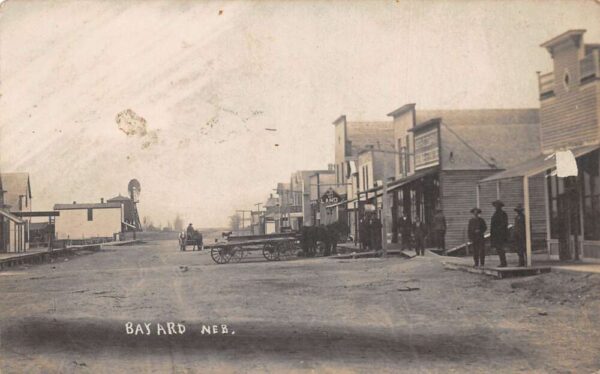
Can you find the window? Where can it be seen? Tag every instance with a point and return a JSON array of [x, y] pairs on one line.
[[566, 79], [553, 191], [590, 169], [90, 214], [407, 155]]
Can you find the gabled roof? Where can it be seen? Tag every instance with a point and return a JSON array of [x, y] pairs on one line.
[[15, 185], [365, 134], [87, 206], [271, 202], [478, 116], [119, 198], [484, 139]]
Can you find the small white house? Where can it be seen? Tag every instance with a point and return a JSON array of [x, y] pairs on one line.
[[83, 221]]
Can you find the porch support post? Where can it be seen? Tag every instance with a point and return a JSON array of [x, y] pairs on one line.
[[478, 193], [527, 219], [547, 179], [497, 190]]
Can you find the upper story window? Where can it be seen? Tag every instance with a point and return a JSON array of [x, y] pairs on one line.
[[90, 214], [566, 79]]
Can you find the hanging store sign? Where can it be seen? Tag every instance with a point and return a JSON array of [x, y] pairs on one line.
[[427, 149], [330, 197]]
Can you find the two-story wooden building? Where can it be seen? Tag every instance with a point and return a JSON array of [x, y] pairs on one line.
[[570, 122], [358, 165]]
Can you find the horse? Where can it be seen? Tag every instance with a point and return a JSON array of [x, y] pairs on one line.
[[195, 240]]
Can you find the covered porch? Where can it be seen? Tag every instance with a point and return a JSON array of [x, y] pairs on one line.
[[571, 204]]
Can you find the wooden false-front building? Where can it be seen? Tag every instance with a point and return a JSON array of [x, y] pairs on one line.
[[441, 156], [570, 122]]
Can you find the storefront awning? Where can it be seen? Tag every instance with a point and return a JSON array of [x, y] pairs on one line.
[[11, 217], [536, 165], [341, 203], [411, 178]]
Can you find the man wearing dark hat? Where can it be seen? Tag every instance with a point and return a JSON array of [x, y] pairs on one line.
[[439, 229], [499, 231], [419, 233], [190, 232], [405, 229], [519, 231], [476, 230]]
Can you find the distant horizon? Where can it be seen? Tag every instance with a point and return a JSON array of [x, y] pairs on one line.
[[185, 96]]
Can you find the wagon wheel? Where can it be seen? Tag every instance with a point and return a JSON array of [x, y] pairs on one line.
[[271, 252], [237, 254], [220, 255]]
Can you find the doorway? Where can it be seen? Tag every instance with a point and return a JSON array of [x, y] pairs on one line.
[[569, 224]]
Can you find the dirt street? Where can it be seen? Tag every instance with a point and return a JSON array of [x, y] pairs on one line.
[[315, 315]]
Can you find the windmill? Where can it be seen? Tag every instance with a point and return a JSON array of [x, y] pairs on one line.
[[134, 189]]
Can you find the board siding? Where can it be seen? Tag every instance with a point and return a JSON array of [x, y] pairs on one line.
[[459, 196], [571, 116]]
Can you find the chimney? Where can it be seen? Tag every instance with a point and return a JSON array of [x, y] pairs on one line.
[[74, 202], [101, 200]]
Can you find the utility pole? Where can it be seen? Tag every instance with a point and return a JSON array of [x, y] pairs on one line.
[[384, 206], [243, 216], [318, 200]]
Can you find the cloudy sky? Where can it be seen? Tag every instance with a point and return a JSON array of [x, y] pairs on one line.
[[209, 77]]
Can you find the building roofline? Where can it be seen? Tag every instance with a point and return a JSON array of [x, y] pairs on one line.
[[339, 119], [575, 33], [404, 108], [87, 206], [429, 122]]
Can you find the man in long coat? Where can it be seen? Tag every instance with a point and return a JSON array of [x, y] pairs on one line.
[[375, 226], [419, 233], [499, 231], [363, 232], [439, 229], [476, 231], [405, 229], [519, 231]]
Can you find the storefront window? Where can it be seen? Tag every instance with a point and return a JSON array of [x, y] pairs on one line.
[[590, 169]]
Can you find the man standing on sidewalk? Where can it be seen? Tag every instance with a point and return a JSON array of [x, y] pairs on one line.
[[419, 233], [476, 230], [499, 231], [405, 231], [439, 229], [519, 230]]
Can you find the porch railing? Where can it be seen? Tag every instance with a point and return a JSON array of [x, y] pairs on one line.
[[589, 66]]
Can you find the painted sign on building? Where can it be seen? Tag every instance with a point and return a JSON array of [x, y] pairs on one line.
[[330, 197], [427, 149]]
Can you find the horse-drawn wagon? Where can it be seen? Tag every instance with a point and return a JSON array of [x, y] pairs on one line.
[[195, 240], [273, 247]]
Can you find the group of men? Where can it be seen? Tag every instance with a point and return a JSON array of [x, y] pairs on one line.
[[370, 232], [414, 235], [499, 234]]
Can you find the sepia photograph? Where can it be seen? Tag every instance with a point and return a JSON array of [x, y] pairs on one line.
[[301, 186]]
